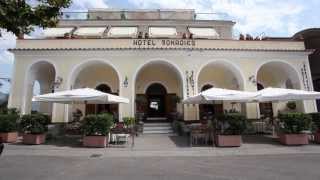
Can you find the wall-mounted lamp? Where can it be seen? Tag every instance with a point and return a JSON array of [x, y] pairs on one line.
[[57, 82], [253, 80], [125, 82]]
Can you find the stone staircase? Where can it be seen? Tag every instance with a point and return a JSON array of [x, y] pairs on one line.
[[157, 128]]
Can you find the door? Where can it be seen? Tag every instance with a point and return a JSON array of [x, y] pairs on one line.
[[156, 106]]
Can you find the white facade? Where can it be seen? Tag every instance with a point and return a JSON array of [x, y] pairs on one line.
[[183, 66]]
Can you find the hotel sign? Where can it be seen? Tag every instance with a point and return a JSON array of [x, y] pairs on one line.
[[163, 43]]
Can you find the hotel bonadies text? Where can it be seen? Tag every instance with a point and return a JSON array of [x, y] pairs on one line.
[[163, 42]]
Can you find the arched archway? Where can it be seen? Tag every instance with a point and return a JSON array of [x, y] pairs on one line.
[[97, 75], [41, 75], [280, 75], [221, 74], [206, 111], [163, 77], [265, 108]]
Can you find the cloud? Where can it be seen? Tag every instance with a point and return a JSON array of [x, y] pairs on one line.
[[87, 4], [251, 16], [6, 57], [7, 40]]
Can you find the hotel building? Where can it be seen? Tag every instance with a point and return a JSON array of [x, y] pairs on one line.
[[153, 58]]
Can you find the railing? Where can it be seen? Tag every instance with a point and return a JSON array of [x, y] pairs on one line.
[[124, 15]]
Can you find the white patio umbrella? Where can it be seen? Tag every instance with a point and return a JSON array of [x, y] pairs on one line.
[[279, 94], [80, 96], [218, 94]]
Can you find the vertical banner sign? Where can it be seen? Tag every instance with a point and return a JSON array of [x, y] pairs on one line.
[[305, 77], [187, 83]]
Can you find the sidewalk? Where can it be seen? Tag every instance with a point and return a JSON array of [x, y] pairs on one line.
[[161, 146]]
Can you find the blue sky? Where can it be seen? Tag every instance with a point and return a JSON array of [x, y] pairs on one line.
[[268, 17]]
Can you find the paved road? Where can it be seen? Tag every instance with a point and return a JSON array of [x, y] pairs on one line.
[[294, 166]]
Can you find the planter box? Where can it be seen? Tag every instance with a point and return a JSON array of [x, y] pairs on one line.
[[34, 139], [9, 137], [294, 139], [228, 140], [95, 141], [317, 137]]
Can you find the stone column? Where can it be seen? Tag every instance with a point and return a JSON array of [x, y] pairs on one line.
[[310, 105], [252, 109], [126, 90], [190, 88]]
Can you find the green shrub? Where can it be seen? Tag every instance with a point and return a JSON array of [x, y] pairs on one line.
[[34, 123], [8, 122], [5, 110], [315, 120], [294, 123], [97, 125], [231, 124], [129, 121]]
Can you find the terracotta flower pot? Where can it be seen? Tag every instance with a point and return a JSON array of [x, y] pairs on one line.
[[9, 137], [228, 140], [317, 137], [294, 139], [34, 139], [95, 141]]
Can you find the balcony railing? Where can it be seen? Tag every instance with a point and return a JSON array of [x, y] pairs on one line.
[[128, 15]]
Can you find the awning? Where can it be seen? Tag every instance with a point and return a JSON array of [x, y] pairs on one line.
[[162, 32], [90, 31], [123, 32], [57, 32], [218, 94], [279, 94], [203, 33], [80, 96]]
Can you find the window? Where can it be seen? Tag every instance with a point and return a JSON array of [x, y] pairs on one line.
[[123, 32], [203, 33], [162, 32]]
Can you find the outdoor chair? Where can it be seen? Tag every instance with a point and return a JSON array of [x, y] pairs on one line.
[[119, 134], [200, 135]]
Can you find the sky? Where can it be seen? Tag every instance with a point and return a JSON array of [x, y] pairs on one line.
[[256, 17]]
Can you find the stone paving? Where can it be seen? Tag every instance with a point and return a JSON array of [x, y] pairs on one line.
[[160, 146]]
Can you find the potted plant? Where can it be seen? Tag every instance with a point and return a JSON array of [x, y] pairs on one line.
[[129, 122], [316, 124], [8, 125], [96, 129], [34, 128], [229, 128], [292, 127]]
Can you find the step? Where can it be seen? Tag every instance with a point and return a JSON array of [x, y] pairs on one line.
[[158, 132], [157, 128], [156, 119], [157, 124]]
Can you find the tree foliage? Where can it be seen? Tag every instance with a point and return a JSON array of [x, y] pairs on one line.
[[20, 16]]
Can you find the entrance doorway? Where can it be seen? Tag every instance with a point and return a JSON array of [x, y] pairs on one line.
[[156, 99]]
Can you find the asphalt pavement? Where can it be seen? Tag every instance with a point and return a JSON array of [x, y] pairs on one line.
[[95, 167]]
